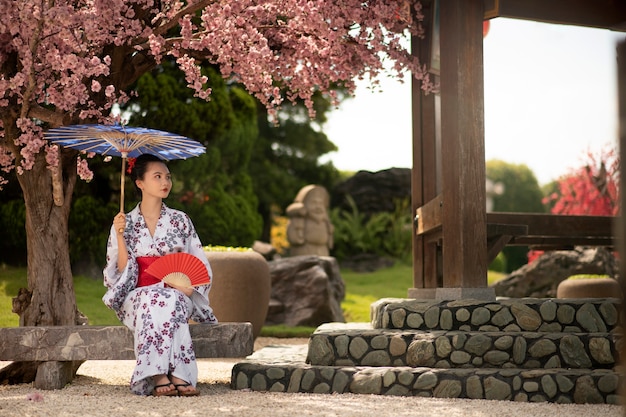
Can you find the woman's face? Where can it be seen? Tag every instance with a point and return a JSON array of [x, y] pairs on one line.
[[156, 182]]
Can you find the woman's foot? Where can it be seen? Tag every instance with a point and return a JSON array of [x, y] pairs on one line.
[[184, 388], [163, 387]]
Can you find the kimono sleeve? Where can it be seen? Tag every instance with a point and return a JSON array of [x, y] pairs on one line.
[[110, 272], [119, 283], [202, 311]]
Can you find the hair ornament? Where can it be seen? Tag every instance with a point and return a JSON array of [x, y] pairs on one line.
[[131, 164]]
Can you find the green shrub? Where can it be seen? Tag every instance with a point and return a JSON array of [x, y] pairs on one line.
[[13, 226], [89, 225], [588, 276], [354, 233], [397, 240], [383, 234], [225, 219], [498, 264]]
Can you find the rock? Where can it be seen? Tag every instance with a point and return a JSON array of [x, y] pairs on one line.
[[366, 382], [366, 262], [358, 347], [448, 389], [427, 380], [586, 391], [306, 291], [541, 278], [573, 352], [527, 318], [421, 353], [373, 192], [478, 344], [496, 389], [265, 249]]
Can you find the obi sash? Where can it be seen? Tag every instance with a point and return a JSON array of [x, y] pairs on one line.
[[144, 278]]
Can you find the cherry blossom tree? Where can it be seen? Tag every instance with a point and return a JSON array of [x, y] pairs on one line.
[[591, 189], [71, 61]]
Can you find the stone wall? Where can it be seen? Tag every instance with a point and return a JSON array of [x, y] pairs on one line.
[[562, 351]]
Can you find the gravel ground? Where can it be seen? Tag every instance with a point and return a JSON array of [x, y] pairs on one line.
[[101, 389]]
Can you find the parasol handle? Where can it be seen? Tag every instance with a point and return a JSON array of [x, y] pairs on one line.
[[122, 181]]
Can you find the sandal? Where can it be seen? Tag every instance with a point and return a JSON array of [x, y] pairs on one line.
[[167, 393], [186, 393]]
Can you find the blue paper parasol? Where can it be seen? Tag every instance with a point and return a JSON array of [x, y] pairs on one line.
[[126, 142]]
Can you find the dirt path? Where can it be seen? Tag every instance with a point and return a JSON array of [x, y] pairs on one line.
[[101, 389]]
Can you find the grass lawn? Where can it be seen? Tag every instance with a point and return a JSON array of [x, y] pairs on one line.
[[362, 289], [88, 291]]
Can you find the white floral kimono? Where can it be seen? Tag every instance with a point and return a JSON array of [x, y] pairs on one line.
[[158, 315]]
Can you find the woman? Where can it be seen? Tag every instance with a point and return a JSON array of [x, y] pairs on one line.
[[157, 314]]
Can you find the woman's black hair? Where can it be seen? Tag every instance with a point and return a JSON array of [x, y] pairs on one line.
[[140, 167]]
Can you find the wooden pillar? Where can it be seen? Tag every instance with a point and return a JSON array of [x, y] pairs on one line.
[[620, 228], [463, 148], [426, 164]]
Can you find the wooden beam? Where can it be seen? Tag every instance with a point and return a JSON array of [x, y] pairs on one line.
[[429, 216], [547, 231], [495, 246], [499, 235], [606, 14], [560, 243], [464, 243], [554, 225]]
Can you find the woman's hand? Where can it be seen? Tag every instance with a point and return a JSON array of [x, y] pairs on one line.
[[185, 290], [119, 223]]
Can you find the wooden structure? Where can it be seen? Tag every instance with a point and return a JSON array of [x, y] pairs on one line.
[[455, 236]]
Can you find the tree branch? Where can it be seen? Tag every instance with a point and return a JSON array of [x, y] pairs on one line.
[[49, 116], [173, 22], [30, 89]]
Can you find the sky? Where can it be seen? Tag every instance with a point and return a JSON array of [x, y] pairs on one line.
[[550, 97]]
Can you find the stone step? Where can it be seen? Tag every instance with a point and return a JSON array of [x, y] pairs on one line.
[[358, 344], [550, 315], [283, 369]]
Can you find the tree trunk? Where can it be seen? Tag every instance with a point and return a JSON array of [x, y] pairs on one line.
[[49, 299], [50, 281]]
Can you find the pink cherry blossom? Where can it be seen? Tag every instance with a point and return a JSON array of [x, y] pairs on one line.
[[70, 62]]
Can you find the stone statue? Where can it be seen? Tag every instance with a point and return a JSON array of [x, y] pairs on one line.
[[309, 230]]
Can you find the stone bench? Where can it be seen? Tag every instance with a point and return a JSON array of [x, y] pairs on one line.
[[60, 348]]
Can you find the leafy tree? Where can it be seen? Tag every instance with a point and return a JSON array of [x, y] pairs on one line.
[[286, 157], [279, 159], [522, 194], [214, 189], [520, 190], [65, 62]]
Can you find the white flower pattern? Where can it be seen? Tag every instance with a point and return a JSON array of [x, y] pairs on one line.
[[157, 315]]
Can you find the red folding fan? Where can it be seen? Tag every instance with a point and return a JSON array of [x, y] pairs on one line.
[[180, 269]]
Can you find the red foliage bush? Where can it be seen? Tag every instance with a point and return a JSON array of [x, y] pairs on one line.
[[592, 189]]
